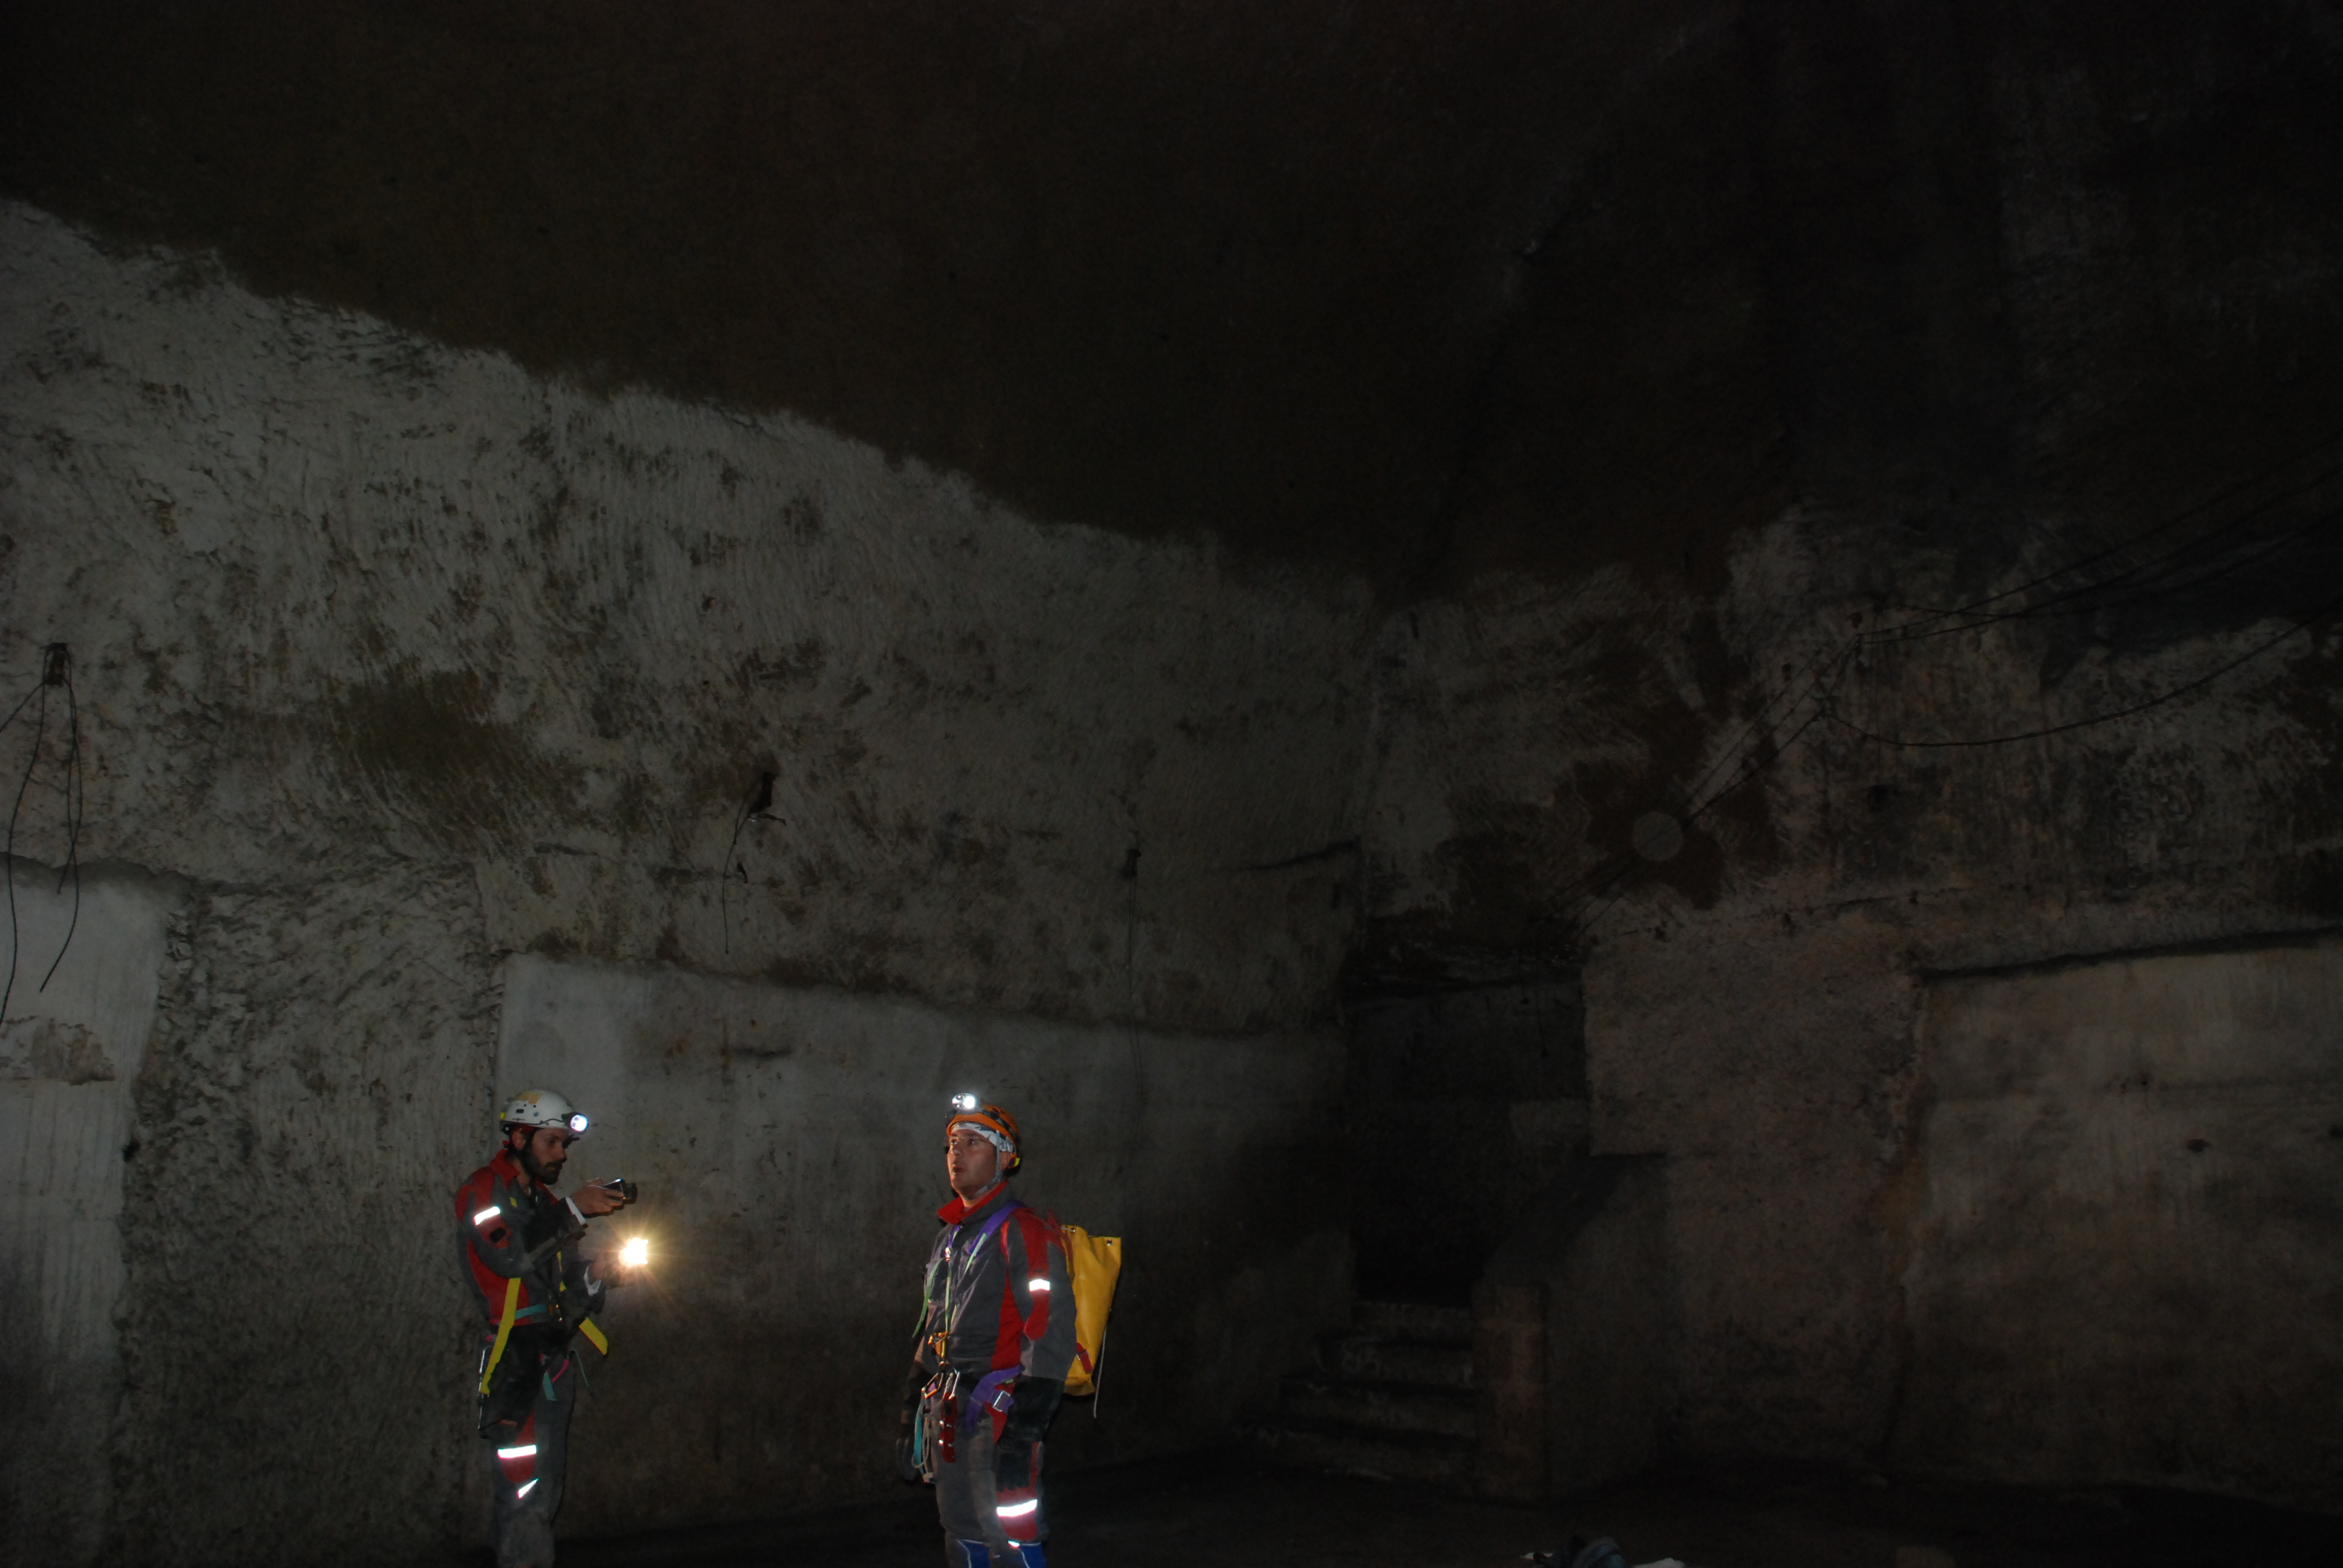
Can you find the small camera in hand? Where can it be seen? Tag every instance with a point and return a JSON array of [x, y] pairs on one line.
[[618, 1187]]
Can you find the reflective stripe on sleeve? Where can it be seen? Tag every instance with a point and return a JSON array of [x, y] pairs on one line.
[[1018, 1510], [487, 1214]]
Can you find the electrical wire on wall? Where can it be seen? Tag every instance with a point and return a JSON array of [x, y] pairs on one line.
[[56, 675], [759, 809], [2200, 562]]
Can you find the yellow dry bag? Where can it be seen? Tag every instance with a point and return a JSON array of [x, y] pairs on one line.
[[1095, 1262]]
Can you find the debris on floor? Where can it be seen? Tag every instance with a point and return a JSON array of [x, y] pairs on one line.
[[1601, 1552], [1153, 1515]]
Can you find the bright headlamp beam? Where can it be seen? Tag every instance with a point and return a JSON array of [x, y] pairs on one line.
[[578, 1124], [964, 1102]]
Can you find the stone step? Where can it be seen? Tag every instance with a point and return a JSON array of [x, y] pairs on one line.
[[1435, 1366], [1378, 1407], [1412, 1322], [1381, 1456]]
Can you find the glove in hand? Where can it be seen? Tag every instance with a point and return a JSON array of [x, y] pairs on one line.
[[1017, 1457], [1033, 1401]]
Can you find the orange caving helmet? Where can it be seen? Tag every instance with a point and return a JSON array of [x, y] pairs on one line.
[[998, 1128]]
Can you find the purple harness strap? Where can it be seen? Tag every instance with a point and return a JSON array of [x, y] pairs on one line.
[[992, 1392], [991, 1228]]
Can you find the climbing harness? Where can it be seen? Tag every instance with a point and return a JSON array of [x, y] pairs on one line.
[[501, 1403], [943, 1414]]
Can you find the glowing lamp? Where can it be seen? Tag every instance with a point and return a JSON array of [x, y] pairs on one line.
[[635, 1252], [965, 1102]]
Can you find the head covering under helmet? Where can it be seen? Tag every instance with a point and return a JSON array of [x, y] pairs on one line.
[[998, 1129]]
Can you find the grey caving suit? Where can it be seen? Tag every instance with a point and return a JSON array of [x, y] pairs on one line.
[[998, 1296]]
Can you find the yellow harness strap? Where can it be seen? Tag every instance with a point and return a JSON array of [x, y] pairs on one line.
[[594, 1336], [504, 1332]]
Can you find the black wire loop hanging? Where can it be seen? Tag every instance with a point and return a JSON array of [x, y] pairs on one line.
[[2099, 581], [759, 809], [56, 675]]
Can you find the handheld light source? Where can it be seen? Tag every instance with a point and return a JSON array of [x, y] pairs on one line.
[[635, 1252]]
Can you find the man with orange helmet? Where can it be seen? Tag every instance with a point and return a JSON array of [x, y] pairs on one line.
[[996, 1340]]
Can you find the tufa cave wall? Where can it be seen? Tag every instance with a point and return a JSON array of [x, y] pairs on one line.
[[1225, 533], [2029, 670], [397, 667]]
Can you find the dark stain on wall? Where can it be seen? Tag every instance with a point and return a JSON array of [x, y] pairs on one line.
[[431, 746]]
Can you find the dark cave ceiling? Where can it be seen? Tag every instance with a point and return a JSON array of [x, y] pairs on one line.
[[1410, 289]]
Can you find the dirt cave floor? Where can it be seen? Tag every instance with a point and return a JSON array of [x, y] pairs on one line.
[[1228, 1509]]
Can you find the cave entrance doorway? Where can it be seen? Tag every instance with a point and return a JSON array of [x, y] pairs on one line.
[[1465, 1100]]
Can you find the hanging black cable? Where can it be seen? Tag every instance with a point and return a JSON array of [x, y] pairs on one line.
[[1758, 763], [57, 671], [1819, 668], [2303, 623], [1597, 882], [759, 809], [1822, 665], [77, 800], [2158, 574], [2181, 570], [2220, 498], [40, 732]]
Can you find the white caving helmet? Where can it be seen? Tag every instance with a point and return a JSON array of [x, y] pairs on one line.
[[543, 1108]]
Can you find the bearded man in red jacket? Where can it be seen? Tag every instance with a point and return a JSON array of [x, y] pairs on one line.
[[537, 1294]]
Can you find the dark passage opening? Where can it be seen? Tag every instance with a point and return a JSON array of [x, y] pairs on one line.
[[1465, 1101]]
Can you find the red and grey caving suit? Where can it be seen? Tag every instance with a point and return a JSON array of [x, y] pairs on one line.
[[996, 1339], [513, 1229]]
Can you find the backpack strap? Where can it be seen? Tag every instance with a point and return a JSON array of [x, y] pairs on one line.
[[1037, 1233], [999, 1222]]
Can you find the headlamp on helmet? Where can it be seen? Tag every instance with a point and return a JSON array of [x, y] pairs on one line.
[[544, 1108], [990, 1123]]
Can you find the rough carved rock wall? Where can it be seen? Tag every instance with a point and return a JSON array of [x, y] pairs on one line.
[[1752, 1001], [1805, 310], [1859, 310], [397, 660]]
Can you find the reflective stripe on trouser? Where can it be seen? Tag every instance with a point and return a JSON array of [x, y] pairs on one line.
[[964, 1499], [528, 1484], [977, 1554]]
